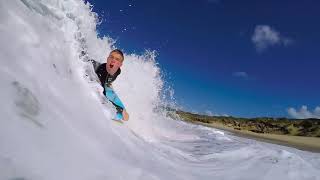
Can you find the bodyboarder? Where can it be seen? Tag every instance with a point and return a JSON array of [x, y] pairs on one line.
[[107, 73]]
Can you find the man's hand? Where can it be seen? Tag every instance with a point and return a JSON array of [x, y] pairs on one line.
[[125, 115]]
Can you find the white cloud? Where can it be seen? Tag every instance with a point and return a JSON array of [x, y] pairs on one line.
[[304, 113], [264, 37], [209, 113], [194, 112], [240, 74]]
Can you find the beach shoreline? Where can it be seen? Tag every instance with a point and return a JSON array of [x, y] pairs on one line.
[[311, 144]]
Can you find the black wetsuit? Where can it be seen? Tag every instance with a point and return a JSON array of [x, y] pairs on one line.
[[104, 77]]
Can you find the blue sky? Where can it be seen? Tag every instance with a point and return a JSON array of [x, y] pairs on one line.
[[240, 58]]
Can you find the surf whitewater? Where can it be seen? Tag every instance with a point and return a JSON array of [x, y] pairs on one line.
[[55, 123]]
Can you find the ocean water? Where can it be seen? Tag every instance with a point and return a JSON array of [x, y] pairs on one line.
[[55, 123]]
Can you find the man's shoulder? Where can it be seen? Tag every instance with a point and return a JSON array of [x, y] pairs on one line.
[[118, 71], [101, 67]]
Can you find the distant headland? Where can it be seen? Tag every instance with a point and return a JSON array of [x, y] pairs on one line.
[[303, 134]]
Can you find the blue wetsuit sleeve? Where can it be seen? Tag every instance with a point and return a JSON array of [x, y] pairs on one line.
[[113, 97]]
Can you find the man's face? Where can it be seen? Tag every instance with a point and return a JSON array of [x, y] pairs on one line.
[[114, 62]]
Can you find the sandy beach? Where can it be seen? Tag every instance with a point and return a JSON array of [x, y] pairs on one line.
[[303, 143]]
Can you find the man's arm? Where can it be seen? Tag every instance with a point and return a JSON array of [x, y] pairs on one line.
[[95, 64], [115, 100]]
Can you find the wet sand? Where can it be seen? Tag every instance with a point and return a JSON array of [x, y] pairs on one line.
[[303, 143]]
